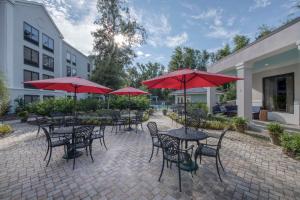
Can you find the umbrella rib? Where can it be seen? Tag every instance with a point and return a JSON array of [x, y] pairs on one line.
[[177, 79]]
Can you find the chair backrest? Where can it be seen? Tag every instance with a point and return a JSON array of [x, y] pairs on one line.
[[140, 115], [170, 146], [152, 127], [221, 138]]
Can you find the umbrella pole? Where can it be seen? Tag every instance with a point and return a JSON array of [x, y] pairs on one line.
[[184, 86], [75, 100], [129, 113]]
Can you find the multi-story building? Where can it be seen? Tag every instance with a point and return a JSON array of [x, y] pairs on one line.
[[33, 48]]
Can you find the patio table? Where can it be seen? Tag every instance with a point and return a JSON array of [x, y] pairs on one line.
[[128, 117], [67, 132], [189, 135]]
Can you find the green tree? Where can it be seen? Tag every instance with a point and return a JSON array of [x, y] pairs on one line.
[[263, 30], [240, 41], [116, 35], [188, 57], [4, 96], [221, 53]]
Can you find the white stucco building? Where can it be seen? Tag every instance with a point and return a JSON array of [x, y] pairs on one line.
[[32, 47], [270, 67]]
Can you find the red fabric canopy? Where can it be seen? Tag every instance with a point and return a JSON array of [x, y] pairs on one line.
[[129, 91], [192, 78], [70, 84]]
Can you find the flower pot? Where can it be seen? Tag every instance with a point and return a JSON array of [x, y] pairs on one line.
[[275, 139]]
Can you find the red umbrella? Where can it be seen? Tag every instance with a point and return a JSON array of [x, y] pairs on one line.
[[188, 78], [70, 84], [129, 91]]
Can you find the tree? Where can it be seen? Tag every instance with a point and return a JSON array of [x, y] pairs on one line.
[[4, 97], [116, 35], [263, 30], [240, 41], [188, 57]]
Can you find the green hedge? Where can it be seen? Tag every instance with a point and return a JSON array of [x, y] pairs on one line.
[[66, 105], [291, 144]]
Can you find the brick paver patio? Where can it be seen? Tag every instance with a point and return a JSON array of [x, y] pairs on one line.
[[255, 169]]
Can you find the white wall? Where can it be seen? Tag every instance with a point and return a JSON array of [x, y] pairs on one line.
[[257, 92]]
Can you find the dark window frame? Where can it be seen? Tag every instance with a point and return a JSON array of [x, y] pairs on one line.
[[49, 39], [292, 74], [48, 76], [31, 73], [30, 62], [45, 97], [73, 56], [68, 60], [29, 38], [69, 71], [48, 68], [32, 97], [88, 67]]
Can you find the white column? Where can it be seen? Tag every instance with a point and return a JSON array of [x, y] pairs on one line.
[[211, 99], [244, 91]]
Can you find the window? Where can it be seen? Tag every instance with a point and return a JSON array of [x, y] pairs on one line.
[[31, 98], [69, 71], [45, 76], [31, 57], [45, 97], [89, 77], [48, 63], [74, 72], [279, 93], [30, 76], [73, 59], [48, 43], [88, 67], [68, 57], [31, 34]]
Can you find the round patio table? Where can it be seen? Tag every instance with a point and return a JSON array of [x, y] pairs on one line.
[[128, 117], [190, 135], [65, 132]]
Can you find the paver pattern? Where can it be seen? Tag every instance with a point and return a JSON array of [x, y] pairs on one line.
[[255, 169]]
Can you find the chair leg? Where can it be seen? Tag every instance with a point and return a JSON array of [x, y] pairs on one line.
[[200, 158], [100, 141], [74, 151], [218, 155], [142, 126], [104, 143], [151, 153], [47, 152], [49, 156], [157, 151], [218, 169], [86, 151], [90, 147], [162, 169], [179, 175], [38, 132]]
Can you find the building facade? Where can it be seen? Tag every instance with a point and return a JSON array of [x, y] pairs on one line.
[[33, 48], [270, 68]]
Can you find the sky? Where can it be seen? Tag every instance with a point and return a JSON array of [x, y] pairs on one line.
[[200, 24]]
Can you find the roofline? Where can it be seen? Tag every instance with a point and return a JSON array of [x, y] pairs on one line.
[[43, 6], [280, 28], [75, 49]]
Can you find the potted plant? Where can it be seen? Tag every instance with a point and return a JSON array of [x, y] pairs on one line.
[[23, 115], [240, 124], [164, 111], [275, 132]]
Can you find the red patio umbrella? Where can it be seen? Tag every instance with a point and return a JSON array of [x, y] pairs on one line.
[[129, 91], [188, 78], [70, 84]]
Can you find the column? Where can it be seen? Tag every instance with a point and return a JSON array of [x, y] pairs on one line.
[[211, 99], [244, 91]]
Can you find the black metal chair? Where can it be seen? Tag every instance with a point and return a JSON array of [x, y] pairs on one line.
[[82, 139], [117, 121], [173, 154], [53, 142], [209, 151], [138, 120], [153, 130], [99, 134], [40, 121]]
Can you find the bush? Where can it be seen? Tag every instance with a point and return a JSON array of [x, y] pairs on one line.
[[275, 131], [136, 103], [291, 143], [164, 111], [23, 115], [5, 128], [90, 104], [198, 105], [240, 124]]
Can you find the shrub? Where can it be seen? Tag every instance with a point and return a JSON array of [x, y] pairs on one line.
[[89, 104], [275, 129], [291, 143], [19, 104], [198, 105], [240, 124], [164, 111], [136, 103], [23, 115], [5, 128]]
